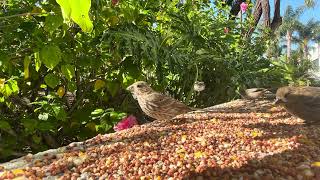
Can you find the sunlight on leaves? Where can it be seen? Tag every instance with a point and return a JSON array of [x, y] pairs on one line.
[[53, 22], [2, 81], [68, 71], [59, 113], [78, 11], [37, 61], [50, 56], [99, 84], [51, 80], [61, 91], [26, 64]]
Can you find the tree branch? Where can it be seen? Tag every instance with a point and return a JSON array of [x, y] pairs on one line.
[[266, 12], [277, 19], [18, 15], [256, 14]]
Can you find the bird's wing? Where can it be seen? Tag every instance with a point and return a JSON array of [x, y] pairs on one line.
[[166, 103], [307, 91], [257, 89], [312, 102], [308, 97]]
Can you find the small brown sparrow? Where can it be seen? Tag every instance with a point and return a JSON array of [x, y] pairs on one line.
[[199, 86], [155, 104], [256, 93]]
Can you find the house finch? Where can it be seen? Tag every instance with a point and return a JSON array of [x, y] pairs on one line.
[[256, 93], [156, 105], [303, 102]]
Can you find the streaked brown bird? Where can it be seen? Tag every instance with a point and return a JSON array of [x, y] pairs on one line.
[[303, 102], [155, 104], [256, 93]]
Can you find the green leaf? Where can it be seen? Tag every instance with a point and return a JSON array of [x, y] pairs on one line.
[[10, 87], [80, 14], [50, 55], [99, 84], [36, 138], [114, 115], [97, 111], [107, 127], [13, 84], [91, 126], [68, 71], [26, 64], [43, 86], [46, 126], [65, 8], [5, 63], [83, 115], [51, 80], [72, 86], [122, 115], [4, 125], [53, 22], [59, 113], [276, 63], [6, 91], [78, 11], [68, 57], [37, 61], [113, 88], [29, 124]]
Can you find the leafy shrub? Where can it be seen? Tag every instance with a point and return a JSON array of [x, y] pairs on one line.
[[59, 84], [294, 73]]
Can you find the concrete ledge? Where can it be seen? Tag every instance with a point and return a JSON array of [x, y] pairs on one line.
[[241, 139]]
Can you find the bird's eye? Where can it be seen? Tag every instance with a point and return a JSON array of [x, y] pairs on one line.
[[139, 85]]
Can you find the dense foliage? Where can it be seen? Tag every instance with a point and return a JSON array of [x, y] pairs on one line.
[[63, 82]]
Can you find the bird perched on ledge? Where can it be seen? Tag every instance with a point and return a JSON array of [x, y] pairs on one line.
[[155, 104], [256, 93], [303, 102]]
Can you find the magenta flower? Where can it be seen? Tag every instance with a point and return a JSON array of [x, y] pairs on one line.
[[126, 123], [243, 7], [114, 2], [226, 30]]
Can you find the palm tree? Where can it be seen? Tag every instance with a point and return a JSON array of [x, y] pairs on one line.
[[310, 3], [262, 7], [289, 24], [306, 33]]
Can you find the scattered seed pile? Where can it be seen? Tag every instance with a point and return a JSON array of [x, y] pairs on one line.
[[241, 139]]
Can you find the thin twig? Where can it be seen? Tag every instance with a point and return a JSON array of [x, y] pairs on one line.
[[17, 15]]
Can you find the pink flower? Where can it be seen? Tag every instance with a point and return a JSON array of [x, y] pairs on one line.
[[243, 7], [126, 123], [114, 2], [226, 30]]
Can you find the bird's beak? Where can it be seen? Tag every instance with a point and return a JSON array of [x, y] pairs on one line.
[[278, 101], [130, 88]]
